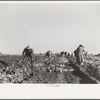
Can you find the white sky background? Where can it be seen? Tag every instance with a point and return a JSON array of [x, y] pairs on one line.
[[48, 26]]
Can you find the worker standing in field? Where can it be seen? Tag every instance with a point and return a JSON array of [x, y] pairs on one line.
[[48, 55], [25, 51], [28, 55], [79, 54]]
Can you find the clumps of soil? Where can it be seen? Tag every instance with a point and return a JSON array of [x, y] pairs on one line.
[[43, 71]]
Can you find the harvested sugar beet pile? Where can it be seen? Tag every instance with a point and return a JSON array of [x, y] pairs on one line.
[[56, 70]]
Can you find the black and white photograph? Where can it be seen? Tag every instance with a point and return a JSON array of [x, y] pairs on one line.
[[49, 43]]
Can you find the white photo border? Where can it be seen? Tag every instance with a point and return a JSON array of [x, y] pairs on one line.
[[43, 91]]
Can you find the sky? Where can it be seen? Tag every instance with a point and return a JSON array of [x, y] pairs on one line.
[[49, 26]]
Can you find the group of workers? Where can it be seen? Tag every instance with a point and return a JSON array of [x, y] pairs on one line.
[[78, 53]]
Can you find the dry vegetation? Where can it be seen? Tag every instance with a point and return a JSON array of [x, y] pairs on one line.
[[57, 70]]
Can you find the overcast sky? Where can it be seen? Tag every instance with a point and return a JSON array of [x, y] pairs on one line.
[[48, 26]]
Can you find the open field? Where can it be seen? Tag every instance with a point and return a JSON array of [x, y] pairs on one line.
[[58, 70]]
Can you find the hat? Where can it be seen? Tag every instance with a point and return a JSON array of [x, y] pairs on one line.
[[81, 46], [27, 46]]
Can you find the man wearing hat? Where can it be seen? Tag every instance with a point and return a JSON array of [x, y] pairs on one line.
[[79, 54]]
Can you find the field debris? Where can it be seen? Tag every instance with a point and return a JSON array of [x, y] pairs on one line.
[[56, 70]]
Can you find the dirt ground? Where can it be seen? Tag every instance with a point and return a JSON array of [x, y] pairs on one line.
[[58, 70]]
